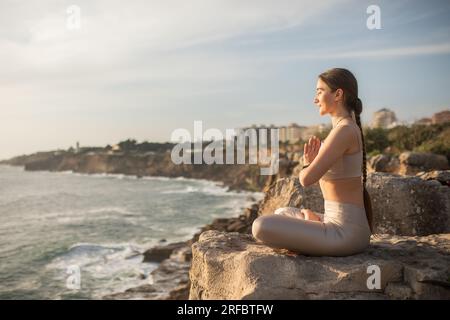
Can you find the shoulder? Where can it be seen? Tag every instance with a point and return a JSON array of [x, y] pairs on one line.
[[343, 131], [340, 138]]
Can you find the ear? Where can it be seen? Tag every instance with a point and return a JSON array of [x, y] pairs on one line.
[[338, 95]]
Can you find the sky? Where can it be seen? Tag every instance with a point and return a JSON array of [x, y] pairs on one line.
[[141, 69]]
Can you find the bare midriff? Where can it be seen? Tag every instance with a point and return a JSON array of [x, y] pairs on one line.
[[346, 190]]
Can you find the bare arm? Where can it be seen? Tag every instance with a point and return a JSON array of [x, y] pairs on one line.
[[337, 142]]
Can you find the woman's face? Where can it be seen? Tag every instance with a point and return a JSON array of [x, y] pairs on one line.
[[324, 99]]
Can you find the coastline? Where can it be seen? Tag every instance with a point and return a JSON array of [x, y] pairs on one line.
[[155, 164], [170, 279]]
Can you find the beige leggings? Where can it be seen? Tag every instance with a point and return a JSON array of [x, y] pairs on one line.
[[343, 230]]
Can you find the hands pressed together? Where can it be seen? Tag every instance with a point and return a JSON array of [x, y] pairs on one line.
[[311, 149]]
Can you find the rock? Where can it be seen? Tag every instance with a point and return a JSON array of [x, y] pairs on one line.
[[243, 223], [408, 163], [286, 168], [379, 162], [414, 162], [170, 280], [183, 254], [235, 176], [383, 163], [407, 205], [402, 205], [234, 266], [443, 176], [159, 253], [288, 192], [237, 226], [252, 212]]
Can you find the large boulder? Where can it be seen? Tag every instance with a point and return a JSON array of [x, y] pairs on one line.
[[402, 205], [413, 162], [383, 163], [288, 192], [234, 266], [407, 163], [408, 205]]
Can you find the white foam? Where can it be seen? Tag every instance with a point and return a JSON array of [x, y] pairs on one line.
[[114, 267]]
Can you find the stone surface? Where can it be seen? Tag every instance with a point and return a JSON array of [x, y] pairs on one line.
[[288, 192], [160, 253], [383, 163], [407, 163], [408, 205], [443, 176], [414, 162], [234, 266]]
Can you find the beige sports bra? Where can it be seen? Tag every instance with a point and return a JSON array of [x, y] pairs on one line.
[[349, 165]]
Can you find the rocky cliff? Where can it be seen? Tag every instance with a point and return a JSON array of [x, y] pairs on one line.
[[236, 177], [411, 249]]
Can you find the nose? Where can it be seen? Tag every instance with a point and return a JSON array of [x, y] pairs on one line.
[[316, 101]]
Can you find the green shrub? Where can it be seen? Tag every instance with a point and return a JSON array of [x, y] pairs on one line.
[[375, 140]]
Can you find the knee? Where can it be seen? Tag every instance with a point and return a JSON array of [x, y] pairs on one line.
[[259, 227]]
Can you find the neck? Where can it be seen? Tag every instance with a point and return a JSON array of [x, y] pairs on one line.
[[338, 116]]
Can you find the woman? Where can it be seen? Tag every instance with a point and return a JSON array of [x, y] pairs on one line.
[[338, 164]]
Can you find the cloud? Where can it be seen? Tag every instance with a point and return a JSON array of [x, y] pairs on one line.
[[432, 49], [170, 59], [136, 42]]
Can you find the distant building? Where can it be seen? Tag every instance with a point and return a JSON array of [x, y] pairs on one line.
[[290, 133], [294, 132], [115, 148], [424, 121], [257, 131], [283, 134], [384, 118], [441, 117]]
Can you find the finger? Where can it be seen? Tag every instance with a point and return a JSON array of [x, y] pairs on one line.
[[313, 144], [317, 143]]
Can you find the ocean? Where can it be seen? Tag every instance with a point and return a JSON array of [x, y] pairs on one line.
[[55, 226]]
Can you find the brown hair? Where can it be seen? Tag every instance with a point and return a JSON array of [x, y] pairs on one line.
[[339, 78]]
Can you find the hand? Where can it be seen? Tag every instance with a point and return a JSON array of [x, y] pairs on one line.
[[311, 149], [310, 215]]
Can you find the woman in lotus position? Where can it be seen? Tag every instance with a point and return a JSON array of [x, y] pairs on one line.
[[338, 164]]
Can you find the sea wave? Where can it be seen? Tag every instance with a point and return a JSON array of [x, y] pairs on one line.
[[119, 265]]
